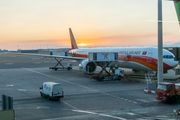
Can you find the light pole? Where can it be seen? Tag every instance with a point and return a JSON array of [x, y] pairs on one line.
[[160, 36], [160, 43]]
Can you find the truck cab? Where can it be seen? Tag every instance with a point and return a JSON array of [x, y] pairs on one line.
[[166, 92]]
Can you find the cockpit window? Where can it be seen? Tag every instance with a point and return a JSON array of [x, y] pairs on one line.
[[168, 56]]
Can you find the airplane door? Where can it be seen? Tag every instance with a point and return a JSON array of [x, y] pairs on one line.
[[149, 57]]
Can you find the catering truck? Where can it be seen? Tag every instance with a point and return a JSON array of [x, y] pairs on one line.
[[168, 92], [52, 90]]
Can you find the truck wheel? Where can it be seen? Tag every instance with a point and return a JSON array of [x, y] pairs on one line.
[[173, 100], [49, 98], [41, 94]]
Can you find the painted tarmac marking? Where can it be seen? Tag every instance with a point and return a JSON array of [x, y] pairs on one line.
[[9, 85], [8, 63], [69, 105], [36, 58], [22, 90], [82, 111], [155, 103], [93, 90], [130, 113], [147, 104], [57, 78], [74, 83], [100, 114], [42, 107], [46, 61], [36, 62], [40, 60]]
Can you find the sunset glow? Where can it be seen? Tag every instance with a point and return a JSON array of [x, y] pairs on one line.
[[82, 44], [43, 24]]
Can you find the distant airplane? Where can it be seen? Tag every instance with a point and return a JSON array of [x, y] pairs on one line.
[[136, 58]]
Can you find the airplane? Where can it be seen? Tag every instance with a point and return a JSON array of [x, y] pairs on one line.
[[135, 58]]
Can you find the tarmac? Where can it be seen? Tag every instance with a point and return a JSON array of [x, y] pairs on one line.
[[85, 98]]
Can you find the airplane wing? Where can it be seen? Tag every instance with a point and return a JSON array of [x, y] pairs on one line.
[[53, 56]]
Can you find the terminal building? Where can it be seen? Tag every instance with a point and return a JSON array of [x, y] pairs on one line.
[[29, 51], [3, 50]]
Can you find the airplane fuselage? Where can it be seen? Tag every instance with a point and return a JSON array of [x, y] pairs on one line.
[[138, 58]]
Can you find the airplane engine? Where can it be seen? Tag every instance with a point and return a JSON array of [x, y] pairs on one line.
[[88, 67]]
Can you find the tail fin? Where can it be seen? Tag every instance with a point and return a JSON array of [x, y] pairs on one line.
[[73, 41], [177, 7]]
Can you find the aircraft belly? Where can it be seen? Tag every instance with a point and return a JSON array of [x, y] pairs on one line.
[[130, 64]]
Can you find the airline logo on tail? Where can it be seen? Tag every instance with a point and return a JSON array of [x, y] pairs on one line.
[[73, 41]]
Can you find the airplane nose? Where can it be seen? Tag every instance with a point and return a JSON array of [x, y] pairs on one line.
[[175, 63]]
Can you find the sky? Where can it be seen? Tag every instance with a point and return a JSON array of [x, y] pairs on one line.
[[42, 24]]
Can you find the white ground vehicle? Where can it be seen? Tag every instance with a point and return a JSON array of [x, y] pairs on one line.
[[52, 90], [119, 72]]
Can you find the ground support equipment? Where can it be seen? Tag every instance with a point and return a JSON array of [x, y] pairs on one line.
[[59, 63]]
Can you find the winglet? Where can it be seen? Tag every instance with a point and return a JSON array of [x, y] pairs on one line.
[[73, 41], [177, 7]]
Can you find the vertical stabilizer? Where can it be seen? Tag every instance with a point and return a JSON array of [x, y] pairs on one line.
[[73, 41]]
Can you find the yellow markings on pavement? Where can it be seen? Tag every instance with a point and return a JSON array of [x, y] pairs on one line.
[[90, 89]]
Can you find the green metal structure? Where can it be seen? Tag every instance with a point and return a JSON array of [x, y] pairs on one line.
[[177, 7]]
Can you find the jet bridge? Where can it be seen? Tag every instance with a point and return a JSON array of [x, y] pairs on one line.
[[104, 59]]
